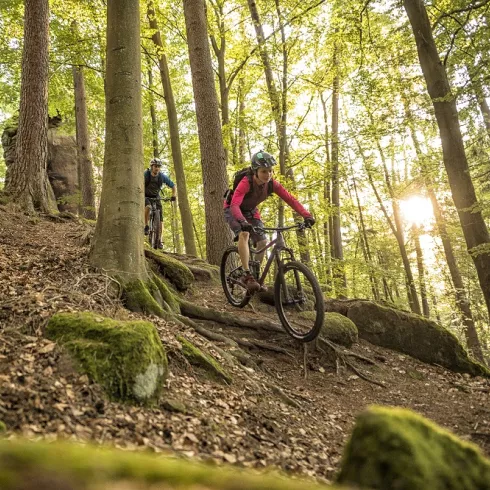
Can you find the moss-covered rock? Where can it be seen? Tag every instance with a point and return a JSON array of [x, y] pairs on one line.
[[411, 334], [174, 270], [3, 427], [396, 448], [203, 360], [32, 466], [125, 357], [337, 328]]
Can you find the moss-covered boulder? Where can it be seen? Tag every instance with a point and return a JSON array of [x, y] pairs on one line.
[[125, 357], [3, 427], [174, 270], [35, 466], [336, 327], [398, 449], [405, 332], [204, 361]]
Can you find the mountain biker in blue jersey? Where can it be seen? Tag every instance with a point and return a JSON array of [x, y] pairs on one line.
[[242, 214], [154, 181]]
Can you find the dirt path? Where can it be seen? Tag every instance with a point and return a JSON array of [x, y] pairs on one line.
[[43, 269]]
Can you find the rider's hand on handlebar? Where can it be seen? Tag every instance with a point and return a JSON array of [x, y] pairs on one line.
[[309, 222], [246, 226], [173, 199]]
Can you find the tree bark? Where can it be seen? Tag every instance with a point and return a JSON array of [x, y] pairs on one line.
[[118, 240], [218, 236], [339, 270], [27, 182], [85, 168], [461, 297], [173, 125], [421, 269], [153, 115], [463, 192]]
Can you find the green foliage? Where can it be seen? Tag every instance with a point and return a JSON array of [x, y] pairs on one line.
[[126, 358], [396, 448]]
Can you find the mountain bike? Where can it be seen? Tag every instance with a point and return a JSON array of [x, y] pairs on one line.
[[155, 223], [298, 297]]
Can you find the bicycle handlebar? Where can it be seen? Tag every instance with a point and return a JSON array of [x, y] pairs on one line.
[[164, 199], [299, 226]]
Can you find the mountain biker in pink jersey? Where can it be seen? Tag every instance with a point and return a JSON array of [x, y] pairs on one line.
[[242, 214]]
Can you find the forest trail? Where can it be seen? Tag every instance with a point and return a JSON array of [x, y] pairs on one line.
[[43, 269]]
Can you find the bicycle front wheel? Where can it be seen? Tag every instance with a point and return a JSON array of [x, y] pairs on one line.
[[231, 272], [155, 230], [299, 301]]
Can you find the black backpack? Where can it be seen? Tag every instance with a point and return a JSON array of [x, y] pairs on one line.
[[237, 178]]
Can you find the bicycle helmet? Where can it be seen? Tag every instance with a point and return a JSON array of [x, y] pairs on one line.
[[262, 159], [156, 161]]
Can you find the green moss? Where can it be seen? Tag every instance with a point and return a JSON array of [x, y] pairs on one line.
[[167, 295], [336, 327], [126, 358], [63, 465], [3, 427], [412, 335], [198, 358], [138, 297], [176, 272], [396, 448]]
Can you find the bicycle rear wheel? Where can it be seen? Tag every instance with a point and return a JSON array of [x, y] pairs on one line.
[[299, 301], [155, 229], [231, 272]]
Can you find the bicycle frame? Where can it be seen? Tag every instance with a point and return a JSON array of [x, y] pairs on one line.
[[279, 245]]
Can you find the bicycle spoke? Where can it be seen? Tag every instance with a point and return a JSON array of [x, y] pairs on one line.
[[299, 301], [231, 272]]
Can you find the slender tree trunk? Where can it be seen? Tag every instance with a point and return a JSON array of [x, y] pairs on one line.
[[85, 169], [153, 115], [27, 181], [218, 236], [118, 241], [241, 125], [365, 244], [421, 269], [461, 297], [173, 126], [339, 270], [482, 103], [462, 301], [220, 52], [462, 189], [327, 197]]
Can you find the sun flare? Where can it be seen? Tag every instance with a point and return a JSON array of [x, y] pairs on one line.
[[417, 210]]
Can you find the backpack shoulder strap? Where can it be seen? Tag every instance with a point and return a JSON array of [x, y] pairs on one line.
[[147, 177], [270, 187]]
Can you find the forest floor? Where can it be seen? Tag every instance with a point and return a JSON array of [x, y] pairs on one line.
[[44, 269]]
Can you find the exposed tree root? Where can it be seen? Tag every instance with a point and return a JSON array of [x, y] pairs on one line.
[[194, 311], [341, 356]]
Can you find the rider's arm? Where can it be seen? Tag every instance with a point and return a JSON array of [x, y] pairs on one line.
[[242, 189], [290, 200]]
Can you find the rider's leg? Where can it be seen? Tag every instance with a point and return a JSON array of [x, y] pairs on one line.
[[243, 250], [259, 246], [147, 215]]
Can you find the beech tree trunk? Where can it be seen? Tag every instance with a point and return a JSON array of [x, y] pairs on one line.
[[463, 192], [338, 252], [461, 297], [215, 181], [173, 125], [27, 181], [421, 269], [118, 240], [85, 168]]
